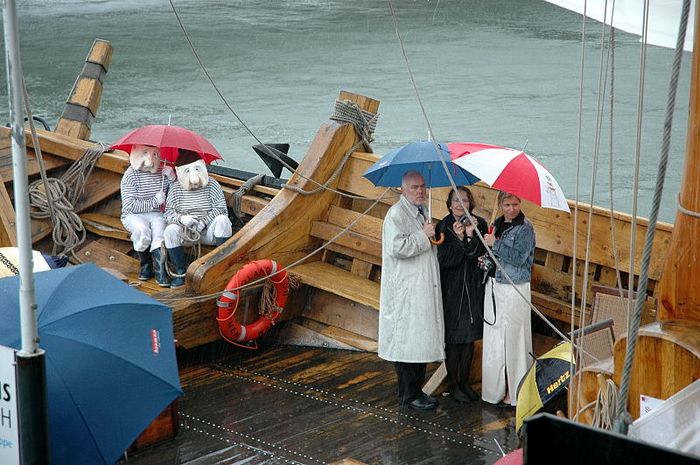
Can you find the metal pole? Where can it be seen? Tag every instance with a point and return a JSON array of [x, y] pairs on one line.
[[31, 375]]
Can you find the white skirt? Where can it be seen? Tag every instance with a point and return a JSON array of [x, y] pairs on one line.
[[507, 343]]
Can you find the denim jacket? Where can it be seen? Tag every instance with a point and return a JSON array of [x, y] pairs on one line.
[[515, 249]]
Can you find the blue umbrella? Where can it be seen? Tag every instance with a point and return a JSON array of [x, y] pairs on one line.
[[110, 359], [418, 156]]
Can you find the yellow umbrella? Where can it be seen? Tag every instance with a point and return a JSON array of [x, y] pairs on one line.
[[546, 378]]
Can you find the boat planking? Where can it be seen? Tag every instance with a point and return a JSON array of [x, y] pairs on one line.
[[337, 304]]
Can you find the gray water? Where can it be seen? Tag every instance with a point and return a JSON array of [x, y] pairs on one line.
[[504, 72]]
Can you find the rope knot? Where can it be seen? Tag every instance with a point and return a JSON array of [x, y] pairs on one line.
[[365, 122]]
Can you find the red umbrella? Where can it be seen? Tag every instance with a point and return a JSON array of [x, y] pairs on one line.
[[169, 139], [512, 458], [510, 170]]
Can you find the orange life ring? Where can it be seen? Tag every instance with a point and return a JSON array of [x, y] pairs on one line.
[[229, 328]]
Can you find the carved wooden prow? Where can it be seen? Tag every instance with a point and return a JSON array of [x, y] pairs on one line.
[[84, 99], [281, 231]]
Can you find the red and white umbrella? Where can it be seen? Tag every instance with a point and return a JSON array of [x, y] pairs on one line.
[[169, 139], [510, 170]]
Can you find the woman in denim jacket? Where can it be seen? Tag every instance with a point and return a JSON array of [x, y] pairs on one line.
[[507, 334]]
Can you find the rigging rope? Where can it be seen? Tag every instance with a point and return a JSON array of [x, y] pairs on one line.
[[577, 182], [623, 419], [321, 186], [237, 196], [454, 187], [37, 145]]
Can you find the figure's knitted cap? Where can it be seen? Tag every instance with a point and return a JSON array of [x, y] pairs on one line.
[[185, 157]]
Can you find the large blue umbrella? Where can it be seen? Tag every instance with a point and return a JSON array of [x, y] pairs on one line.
[[110, 359], [421, 156]]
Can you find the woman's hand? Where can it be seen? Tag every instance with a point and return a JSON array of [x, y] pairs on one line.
[[469, 228], [489, 239], [458, 229]]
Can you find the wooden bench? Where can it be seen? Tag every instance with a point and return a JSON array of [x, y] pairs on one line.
[[108, 224], [351, 259]]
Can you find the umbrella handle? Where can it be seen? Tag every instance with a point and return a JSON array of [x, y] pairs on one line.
[[439, 240]]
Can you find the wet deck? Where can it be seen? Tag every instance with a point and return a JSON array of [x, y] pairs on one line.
[[300, 405]]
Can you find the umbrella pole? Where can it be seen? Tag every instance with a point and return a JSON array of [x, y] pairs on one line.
[[33, 431], [494, 211]]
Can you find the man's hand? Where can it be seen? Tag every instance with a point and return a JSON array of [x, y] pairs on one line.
[[159, 198], [188, 220], [429, 229], [200, 226]]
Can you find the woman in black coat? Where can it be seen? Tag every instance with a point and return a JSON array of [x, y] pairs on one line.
[[462, 289]]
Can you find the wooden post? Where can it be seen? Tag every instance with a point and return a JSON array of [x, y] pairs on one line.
[[84, 99], [678, 290]]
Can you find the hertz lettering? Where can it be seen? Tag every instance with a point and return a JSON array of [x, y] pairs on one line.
[[552, 387]]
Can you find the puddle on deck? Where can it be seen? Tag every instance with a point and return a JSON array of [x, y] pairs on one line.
[[300, 405]]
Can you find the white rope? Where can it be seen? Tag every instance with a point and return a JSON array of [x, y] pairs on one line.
[[605, 406], [684, 210], [579, 126]]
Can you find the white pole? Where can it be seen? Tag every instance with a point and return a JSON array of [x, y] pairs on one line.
[[30, 360], [30, 336]]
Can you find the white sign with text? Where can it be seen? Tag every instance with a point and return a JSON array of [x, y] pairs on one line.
[[9, 431]]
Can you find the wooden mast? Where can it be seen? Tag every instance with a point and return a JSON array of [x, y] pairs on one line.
[[679, 293]]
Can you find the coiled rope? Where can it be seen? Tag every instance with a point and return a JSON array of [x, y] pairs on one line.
[[68, 230]]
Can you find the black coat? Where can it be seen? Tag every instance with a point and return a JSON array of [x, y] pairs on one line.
[[461, 280]]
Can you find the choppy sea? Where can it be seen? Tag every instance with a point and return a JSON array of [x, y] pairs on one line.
[[504, 72]]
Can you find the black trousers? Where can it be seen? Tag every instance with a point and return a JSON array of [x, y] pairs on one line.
[[458, 361], [411, 379]]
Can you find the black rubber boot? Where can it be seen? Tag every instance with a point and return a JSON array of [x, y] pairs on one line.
[[177, 257], [219, 240], [159, 267], [146, 270]]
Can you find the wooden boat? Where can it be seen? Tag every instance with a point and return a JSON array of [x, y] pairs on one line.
[[339, 298], [325, 222]]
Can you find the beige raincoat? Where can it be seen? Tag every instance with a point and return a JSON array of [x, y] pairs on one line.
[[411, 327]]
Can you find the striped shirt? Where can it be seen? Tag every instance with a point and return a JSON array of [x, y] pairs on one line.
[[138, 189], [204, 204]]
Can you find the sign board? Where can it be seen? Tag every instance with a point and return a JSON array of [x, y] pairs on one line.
[[9, 429], [647, 404]]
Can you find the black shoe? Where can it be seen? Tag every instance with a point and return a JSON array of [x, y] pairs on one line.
[[502, 404], [423, 402], [471, 393], [458, 395]]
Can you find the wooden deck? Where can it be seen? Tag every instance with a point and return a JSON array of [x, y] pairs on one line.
[[300, 405]]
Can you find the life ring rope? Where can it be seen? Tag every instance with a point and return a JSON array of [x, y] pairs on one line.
[[255, 271]]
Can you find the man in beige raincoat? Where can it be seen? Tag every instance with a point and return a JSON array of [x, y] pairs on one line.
[[411, 327]]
